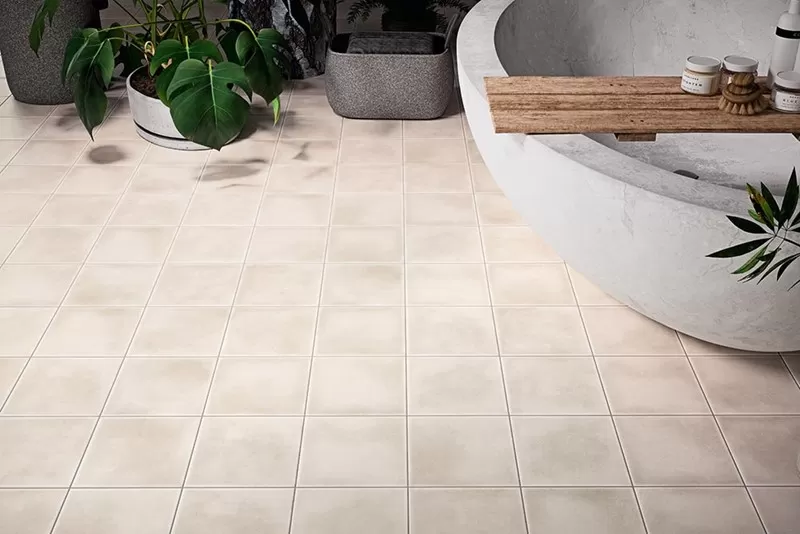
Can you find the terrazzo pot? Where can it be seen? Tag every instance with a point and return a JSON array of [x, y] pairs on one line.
[[154, 122], [37, 80], [389, 86]]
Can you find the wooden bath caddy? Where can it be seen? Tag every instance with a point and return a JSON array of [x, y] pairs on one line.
[[633, 108]]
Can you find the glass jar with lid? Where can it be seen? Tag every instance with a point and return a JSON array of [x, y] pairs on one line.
[[701, 75], [733, 65], [786, 92]]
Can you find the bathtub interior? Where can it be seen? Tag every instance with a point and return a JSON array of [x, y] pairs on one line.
[[654, 37]]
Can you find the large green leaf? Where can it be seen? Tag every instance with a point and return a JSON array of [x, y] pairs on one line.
[[204, 105], [747, 226], [46, 11], [88, 68], [172, 53], [739, 250], [790, 197], [227, 41], [131, 57], [265, 62]]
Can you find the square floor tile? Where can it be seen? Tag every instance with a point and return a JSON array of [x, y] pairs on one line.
[[61, 152], [447, 285], [89, 332], [19, 127], [369, 178], [621, 331], [698, 347], [55, 245], [496, 209], [461, 451], [371, 151], [233, 511], [165, 178], [30, 511], [63, 386], [22, 328], [537, 284], [305, 151], [363, 285], [778, 508], [368, 129], [155, 386], [707, 510], [301, 179], [445, 127], [345, 511], [148, 209], [367, 209], [437, 178], [9, 236], [196, 285], [569, 451], [114, 152], [157, 155], [357, 386], [676, 451], [553, 386], [360, 331], [434, 151], [246, 451], [455, 386], [368, 451], [365, 244], [280, 285], [76, 210], [439, 244], [748, 385], [503, 244], [191, 331], [35, 285], [579, 510], [41, 451], [793, 362], [10, 369], [249, 386], [117, 511], [431, 209], [764, 448], [62, 127], [541, 331], [210, 244], [247, 178], [9, 148], [20, 209], [466, 511], [123, 244], [270, 332], [222, 209], [304, 124], [294, 210], [242, 152], [451, 331], [14, 108], [283, 245], [31, 179], [152, 452], [587, 293], [641, 386], [113, 285]]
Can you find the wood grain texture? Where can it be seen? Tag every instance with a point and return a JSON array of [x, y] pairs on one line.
[[635, 107]]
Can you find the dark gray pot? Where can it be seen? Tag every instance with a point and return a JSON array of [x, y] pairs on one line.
[[38, 80]]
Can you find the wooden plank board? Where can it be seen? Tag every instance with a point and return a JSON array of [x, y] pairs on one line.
[[635, 107]]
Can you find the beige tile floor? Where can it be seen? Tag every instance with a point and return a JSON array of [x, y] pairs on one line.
[[336, 326]]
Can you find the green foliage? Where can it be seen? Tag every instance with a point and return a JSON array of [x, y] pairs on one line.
[[207, 108], [778, 222]]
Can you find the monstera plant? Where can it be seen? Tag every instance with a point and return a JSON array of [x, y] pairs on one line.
[[778, 227], [167, 53]]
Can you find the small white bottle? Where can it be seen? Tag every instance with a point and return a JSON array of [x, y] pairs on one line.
[[787, 42]]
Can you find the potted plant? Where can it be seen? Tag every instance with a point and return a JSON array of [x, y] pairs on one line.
[[777, 227], [406, 15], [185, 90], [33, 78]]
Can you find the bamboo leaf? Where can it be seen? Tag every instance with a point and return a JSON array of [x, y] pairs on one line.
[[752, 262], [739, 250], [761, 206], [781, 265], [755, 216], [747, 226], [771, 206], [765, 262], [790, 197]]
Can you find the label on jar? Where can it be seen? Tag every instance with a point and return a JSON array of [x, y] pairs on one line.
[[699, 84], [783, 101]]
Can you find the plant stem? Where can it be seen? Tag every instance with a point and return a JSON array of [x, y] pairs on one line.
[[238, 21]]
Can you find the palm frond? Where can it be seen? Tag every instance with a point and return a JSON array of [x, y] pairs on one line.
[[362, 9]]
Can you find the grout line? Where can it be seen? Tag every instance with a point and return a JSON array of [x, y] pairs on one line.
[[403, 237], [316, 326], [722, 435], [608, 404], [496, 334]]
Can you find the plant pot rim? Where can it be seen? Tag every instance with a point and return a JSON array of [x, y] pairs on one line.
[[130, 85]]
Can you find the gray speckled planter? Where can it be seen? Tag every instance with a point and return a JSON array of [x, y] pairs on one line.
[[154, 122], [388, 86], [37, 80]]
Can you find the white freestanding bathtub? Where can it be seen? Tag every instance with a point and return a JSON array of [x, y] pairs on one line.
[[617, 212]]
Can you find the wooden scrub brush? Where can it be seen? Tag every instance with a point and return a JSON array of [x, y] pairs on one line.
[[743, 96]]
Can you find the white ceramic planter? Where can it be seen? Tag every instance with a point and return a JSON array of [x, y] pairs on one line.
[[154, 122]]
